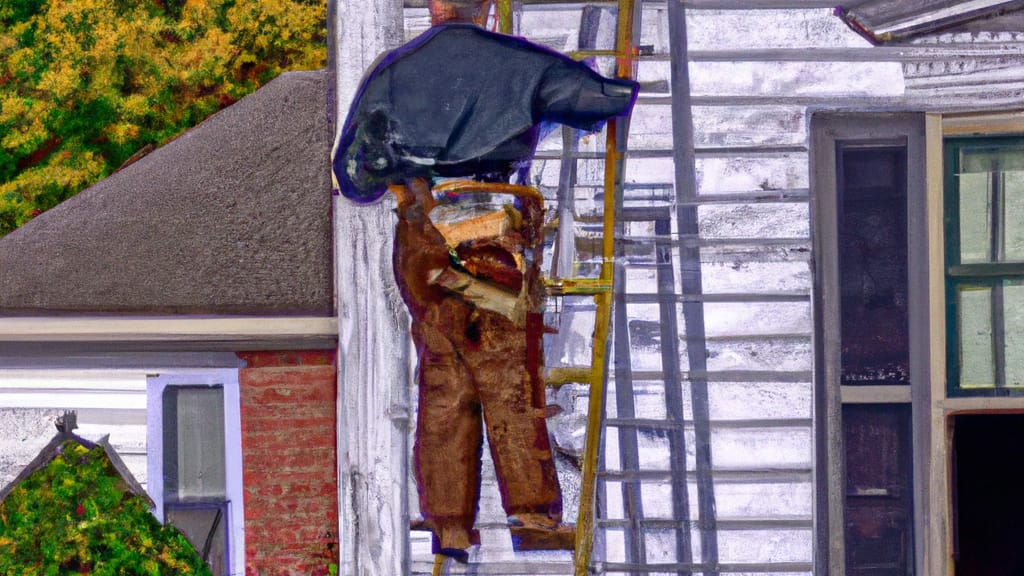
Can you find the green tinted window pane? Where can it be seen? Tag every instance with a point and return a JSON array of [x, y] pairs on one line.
[[194, 453], [975, 218], [1013, 216], [976, 357], [1013, 310]]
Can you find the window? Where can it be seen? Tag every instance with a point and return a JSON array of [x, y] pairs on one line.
[[871, 288], [874, 351], [195, 462], [985, 266], [872, 227]]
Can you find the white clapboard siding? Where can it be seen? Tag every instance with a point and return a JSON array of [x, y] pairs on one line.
[[108, 404], [755, 75]]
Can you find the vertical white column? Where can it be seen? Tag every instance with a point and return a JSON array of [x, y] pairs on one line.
[[373, 373]]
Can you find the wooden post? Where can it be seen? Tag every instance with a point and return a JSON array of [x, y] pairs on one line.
[[373, 373]]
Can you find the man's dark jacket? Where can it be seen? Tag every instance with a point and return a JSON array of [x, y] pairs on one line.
[[462, 101]]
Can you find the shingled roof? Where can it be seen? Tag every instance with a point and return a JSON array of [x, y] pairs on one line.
[[233, 217]]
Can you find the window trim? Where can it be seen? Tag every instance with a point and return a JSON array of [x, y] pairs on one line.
[[228, 379]]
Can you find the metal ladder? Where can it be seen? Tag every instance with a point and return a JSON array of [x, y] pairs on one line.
[[652, 207], [600, 287]]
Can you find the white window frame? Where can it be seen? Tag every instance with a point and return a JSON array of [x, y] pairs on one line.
[[228, 380]]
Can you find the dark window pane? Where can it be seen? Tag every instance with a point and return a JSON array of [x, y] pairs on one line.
[[878, 503], [205, 526], [873, 265]]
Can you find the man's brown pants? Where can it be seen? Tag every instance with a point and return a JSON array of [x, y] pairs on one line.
[[476, 367]]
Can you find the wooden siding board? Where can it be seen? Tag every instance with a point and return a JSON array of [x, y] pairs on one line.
[[741, 27], [799, 78]]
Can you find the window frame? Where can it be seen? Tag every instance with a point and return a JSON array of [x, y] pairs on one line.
[[956, 274], [227, 379]]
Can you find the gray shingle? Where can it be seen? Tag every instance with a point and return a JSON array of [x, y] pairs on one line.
[[233, 217]]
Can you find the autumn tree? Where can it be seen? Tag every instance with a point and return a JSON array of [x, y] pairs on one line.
[[85, 85]]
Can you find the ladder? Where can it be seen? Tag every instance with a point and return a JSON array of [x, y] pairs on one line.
[[661, 385], [600, 287], [652, 208]]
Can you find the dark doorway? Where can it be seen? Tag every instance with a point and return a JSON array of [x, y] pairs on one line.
[[989, 494]]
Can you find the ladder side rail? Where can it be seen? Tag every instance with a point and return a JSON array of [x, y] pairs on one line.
[[629, 451], [690, 279], [617, 131], [564, 252], [673, 391]]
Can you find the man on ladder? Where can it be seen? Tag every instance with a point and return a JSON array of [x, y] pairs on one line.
[[460, 101]]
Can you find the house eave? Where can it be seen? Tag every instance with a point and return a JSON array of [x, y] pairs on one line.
[[27, 334]]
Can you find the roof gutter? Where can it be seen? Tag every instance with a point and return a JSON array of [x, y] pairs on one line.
[[232, 332]]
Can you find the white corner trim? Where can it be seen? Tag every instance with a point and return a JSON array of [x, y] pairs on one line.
[[165, 329]]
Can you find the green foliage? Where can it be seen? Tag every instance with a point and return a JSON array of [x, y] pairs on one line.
[[84, 85], [76, 516]]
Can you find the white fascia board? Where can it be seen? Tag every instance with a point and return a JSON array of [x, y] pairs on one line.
[[166, 329]]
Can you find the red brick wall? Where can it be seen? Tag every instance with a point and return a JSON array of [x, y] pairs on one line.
[[289, 462]]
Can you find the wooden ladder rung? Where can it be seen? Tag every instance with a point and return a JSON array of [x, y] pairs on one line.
[[577, 286], [560, 376]]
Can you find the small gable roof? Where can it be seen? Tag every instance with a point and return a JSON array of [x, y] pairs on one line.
[[65, 433], [232, 217]]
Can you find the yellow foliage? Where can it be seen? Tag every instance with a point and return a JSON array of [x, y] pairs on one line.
[[97, 80], [25, 121], [134, 107], [61, 81], [122, 132]]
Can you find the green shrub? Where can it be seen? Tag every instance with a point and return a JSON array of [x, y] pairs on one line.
[[77, 516]]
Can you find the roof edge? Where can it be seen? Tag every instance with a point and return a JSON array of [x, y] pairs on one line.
[[165, 329], [930, 23]]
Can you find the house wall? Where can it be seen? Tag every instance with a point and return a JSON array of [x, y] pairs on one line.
[[753, 78], [288, 405], [108, 404]]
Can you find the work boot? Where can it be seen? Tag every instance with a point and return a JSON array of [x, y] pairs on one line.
[[540, 532], [448, 539]]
